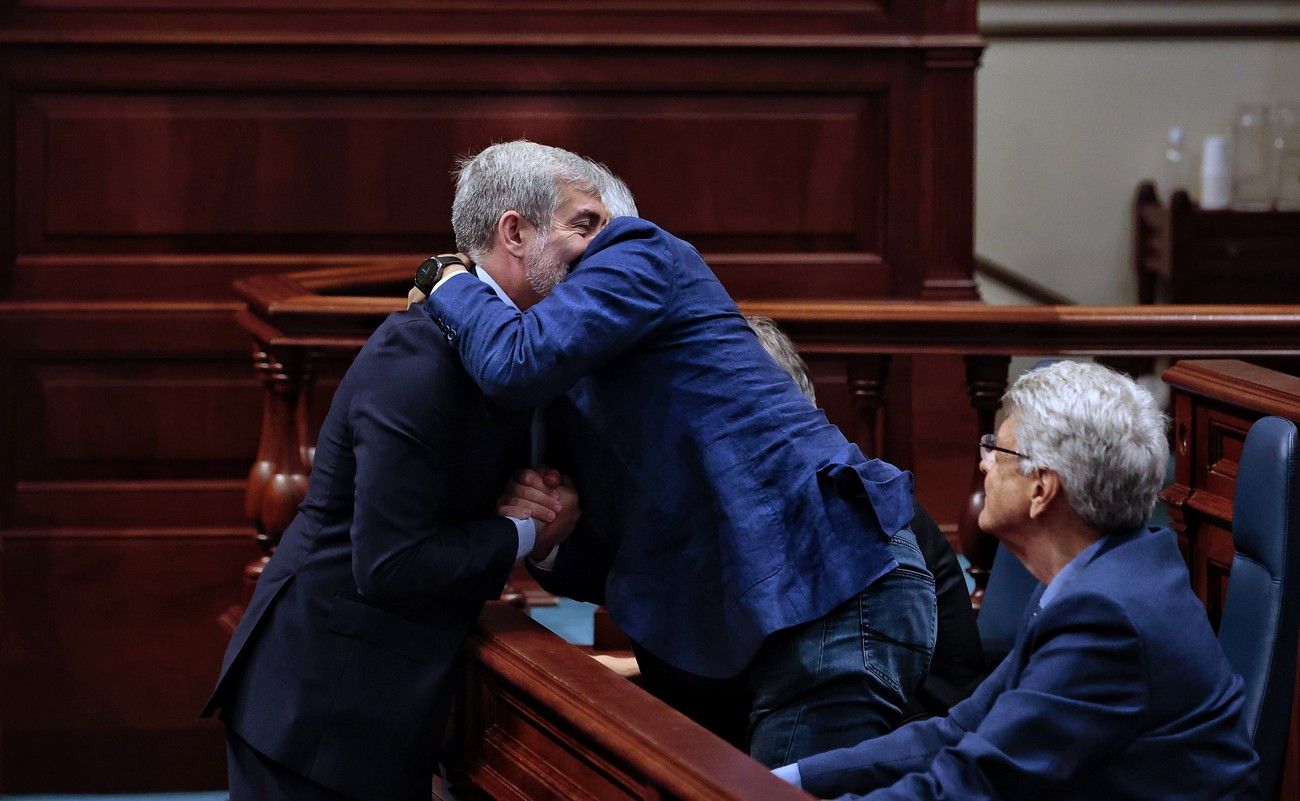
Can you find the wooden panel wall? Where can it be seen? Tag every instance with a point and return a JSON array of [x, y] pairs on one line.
[[157, 150]]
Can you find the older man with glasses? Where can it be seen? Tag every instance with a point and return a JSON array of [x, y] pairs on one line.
[[1116, 687]]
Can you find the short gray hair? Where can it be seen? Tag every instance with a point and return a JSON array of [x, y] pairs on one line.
[[615, 195], [1100, 432], [779, 347], [517, 176]]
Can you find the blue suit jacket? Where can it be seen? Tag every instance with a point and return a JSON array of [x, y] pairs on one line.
[[1116, 690], [342, 666], [728, 505]]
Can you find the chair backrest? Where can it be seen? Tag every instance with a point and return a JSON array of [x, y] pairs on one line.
[[1261, 614], [1010, 586]]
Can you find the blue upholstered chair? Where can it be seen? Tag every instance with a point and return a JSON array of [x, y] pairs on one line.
[[1261, 615]]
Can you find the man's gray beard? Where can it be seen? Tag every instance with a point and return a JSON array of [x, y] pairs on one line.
[[543, 275]]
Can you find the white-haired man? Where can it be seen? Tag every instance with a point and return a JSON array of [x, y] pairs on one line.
[[1116, 687]]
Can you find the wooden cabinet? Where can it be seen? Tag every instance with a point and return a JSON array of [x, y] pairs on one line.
[[1215, 403], [1185, 254]]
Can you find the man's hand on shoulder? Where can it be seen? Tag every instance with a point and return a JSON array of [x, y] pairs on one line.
[[433, 273]]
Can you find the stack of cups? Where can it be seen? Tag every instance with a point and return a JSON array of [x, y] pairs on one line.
[[1216, 176]]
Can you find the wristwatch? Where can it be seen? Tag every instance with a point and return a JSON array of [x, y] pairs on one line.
[[431, 269]]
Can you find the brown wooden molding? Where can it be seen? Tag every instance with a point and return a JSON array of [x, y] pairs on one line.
[[285, 308], [602, 732], [1238, 383], [433, 39]]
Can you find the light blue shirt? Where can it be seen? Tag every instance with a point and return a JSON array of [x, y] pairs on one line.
[[789, 773], [1062, 578], [526, 528]]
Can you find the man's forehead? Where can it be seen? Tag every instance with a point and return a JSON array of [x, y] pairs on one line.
[[574, 195]]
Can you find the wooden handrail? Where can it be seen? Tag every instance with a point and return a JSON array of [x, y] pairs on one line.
[[545, 721], [291, 315], [1018, 283], [297, 309]]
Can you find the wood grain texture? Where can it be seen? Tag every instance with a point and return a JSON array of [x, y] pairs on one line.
[[545, 721], [109, 648], [158, 151], [1215, 402]]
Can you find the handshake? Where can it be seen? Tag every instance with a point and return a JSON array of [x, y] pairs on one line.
[[547, 496]]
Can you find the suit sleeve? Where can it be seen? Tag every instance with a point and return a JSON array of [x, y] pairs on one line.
[[612, 301], [403, 545], [1080, 699]]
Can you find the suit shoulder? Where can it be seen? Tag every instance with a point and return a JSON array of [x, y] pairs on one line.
[[629, 231], [408, 356]]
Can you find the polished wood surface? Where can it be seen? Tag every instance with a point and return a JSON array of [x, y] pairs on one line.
[[1215, 403], [542, 720], [158, 150], [298, 314]]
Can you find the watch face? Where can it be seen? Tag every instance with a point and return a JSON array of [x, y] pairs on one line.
[[428, 273], [431, 269]]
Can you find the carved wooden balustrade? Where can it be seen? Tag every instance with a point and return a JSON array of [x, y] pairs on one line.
[[294, 317]]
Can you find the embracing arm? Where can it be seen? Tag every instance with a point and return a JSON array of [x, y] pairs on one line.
[[614, 299]]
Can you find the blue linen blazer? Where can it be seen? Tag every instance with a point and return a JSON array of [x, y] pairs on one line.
[[343, 665], [1116, 690], [723, 504]]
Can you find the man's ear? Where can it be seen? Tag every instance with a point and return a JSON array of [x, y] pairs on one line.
[[512, 230], [1045, 488]]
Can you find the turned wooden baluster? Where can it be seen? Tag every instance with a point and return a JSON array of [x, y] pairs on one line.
[[867, 377], [277, 482], [986, 381]]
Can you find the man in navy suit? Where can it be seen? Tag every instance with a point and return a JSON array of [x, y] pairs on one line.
[[732, 531], [337, 681], [1116, 687]]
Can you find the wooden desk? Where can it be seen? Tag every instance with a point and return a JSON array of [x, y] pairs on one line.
[[1184, 254]]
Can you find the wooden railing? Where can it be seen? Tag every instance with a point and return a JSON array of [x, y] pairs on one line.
[[294, 317], [543, 721]]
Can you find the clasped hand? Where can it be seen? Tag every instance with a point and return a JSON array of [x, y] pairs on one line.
[[548, 496]]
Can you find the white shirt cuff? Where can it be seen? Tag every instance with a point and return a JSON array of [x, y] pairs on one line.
[[547, 562], [445, 278], [789, 773], [527, 530]]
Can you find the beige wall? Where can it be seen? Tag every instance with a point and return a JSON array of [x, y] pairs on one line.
[[1066, 127]]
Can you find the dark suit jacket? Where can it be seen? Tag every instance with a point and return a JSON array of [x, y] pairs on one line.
[[341, 667], [1116, 690], [732, 507]]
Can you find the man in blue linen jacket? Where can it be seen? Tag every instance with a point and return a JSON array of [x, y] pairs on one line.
[[1116, 687], [337, 681], [735, 534]]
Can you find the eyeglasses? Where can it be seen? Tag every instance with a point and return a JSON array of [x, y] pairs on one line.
[[988, 443]]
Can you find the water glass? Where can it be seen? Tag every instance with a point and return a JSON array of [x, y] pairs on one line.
[[1286, 143], [1253, 154]]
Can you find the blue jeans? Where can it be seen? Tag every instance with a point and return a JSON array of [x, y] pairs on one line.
[[843, 678]]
